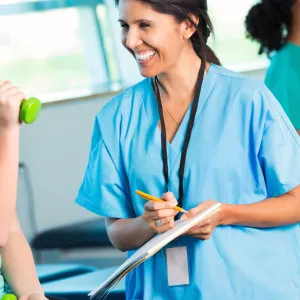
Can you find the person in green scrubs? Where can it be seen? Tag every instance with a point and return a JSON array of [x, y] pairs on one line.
[[17, 269], [275, 24]]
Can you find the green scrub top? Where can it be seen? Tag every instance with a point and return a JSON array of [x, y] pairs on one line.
[[283, 79]]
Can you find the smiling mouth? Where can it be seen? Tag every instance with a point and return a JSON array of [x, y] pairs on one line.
[[145, 56]]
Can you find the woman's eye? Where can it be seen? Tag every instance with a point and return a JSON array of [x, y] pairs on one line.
[[123, 25], [143, 25]]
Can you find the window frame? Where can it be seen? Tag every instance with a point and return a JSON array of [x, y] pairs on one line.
[[96, 42]]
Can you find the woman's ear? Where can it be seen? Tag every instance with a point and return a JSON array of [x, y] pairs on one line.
[[189, 27]]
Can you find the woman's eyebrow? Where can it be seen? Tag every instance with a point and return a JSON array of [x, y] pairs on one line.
[[137, 21]]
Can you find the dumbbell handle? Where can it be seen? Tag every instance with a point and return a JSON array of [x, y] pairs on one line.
[[30, 110]]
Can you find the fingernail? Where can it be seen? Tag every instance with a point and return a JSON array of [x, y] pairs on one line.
[[183, 217]]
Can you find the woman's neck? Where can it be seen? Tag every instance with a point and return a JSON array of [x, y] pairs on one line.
[[294, 34], [179, 82], [294, 37]]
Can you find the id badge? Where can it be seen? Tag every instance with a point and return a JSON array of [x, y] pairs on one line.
[[177, 266]]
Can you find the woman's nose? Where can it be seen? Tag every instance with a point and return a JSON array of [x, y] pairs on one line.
[[132, 39]]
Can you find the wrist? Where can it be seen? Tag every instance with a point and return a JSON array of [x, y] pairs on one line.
[[10, 130], [38, 295], [228, 214], [146, 226]]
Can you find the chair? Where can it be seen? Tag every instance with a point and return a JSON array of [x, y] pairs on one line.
[[89, 234], [80, 235], [78, 287], [52, 272]]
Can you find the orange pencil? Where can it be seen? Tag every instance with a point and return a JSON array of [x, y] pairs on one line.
[[152, 198]]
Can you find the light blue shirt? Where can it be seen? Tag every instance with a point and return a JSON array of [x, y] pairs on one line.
[[243, 149]]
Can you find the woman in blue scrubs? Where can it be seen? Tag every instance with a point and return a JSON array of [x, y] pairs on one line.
[[275, 24], [196, 133]]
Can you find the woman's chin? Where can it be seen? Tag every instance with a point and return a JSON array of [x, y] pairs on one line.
[[148, 73]]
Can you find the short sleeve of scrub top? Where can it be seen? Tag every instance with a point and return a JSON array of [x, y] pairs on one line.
[[104, 189], [283, 79], [279, 152]]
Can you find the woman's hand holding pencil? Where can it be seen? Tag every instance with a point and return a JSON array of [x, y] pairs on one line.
[[152, 198], [159, 213]]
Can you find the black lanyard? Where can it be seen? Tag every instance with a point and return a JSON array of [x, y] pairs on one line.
[[188, 132]]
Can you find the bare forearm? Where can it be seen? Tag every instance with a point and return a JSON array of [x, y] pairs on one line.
[[9, 158], [18, 266], [128, 234], [273, 212]]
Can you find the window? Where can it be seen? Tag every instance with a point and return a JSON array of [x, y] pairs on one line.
[[72, 48], [50, 47], [230, 44], [43, 52]]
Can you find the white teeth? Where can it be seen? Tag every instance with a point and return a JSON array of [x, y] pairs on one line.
[[145, 55]]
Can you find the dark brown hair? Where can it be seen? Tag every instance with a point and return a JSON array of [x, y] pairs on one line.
[[268, 23]]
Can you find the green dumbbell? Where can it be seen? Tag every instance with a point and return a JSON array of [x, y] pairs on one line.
[[30, 110], [9, 297]]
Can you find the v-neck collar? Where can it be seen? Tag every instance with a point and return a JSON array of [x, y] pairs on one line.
[[151, 110]]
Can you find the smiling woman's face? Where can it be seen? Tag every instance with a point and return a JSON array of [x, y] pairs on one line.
[[154, 39]]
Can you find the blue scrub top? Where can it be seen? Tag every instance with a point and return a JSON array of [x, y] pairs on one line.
[[243, 149]]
